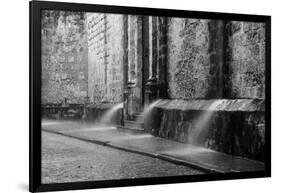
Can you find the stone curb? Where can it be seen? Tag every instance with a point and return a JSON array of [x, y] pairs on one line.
[[79, 138], [164, 157], [195, 165]]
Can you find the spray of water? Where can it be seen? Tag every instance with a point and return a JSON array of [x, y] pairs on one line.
[[108, 116], [201, 125], [147, 109]]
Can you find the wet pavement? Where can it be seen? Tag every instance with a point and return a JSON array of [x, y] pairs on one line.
[[65, 159], [146, 144]]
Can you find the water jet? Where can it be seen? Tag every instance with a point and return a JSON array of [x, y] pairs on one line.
[[201, 125], [147, 109], [109, 114]]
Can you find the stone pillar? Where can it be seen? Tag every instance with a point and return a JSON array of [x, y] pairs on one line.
[[139, 63], [125, 66], [151, 89], [153, 47], [227, 84], [146, 53], [135, 60], [151, 83], [105, 50], [217, 62], [162, 57], [131, 106], [131, 47]]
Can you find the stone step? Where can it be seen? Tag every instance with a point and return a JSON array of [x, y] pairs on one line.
[[139, 117], [134, 125], [138, 114], [134, 129]]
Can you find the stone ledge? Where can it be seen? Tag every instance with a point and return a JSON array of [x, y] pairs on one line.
[[235, 127], [214, 104], [105, 106]]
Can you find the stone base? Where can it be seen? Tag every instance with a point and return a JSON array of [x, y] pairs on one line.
[[58, 111], [95, 113], [234, 127]]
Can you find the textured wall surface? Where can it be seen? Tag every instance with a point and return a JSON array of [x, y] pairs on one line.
[[64, 57], [188, 58], [231, 126], [246, 59], [105, 40], [83, 55], [135, 63], [194, 59]]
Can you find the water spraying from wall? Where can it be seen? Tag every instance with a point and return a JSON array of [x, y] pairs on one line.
[[148, 108], [201, 125], [110, 114]]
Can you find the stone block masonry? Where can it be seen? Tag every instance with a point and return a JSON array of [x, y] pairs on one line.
[[64, 57], [234, 127], [211, 62], [134, 59], [188, 58], [215, 59], [84, 55], [105, 41], [246, 59]]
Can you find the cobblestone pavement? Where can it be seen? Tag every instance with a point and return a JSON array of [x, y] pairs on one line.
[[70, 160]]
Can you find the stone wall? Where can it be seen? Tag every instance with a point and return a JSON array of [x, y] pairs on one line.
[[216, 74], [105, 41], [215, 59], [64, 57], [246, 59], [96, 113], [135, 64], [83, 55], [188, 58], [235, 127]]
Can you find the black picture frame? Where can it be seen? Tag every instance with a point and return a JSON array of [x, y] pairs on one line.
[[35, 8]]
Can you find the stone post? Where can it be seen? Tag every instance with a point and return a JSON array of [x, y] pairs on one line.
[[130, 100], [151, 89], [125, 66], [151, 84], [153, 52], [162, 57], [216, 51]]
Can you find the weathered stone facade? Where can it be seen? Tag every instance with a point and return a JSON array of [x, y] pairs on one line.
[[191, 63], [200, 63], [188, 58], [105, 40], [64, 57], [84, 55], [246, 59], [235, 127]]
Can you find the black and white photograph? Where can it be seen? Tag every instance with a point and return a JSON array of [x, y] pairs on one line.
[[140, 96], [133, 96], [127, 96]]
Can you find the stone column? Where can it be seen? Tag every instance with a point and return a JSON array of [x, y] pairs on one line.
[[131, 48], [162, 57], [125, 66], [131, 65], [217, 62], [146, 53], [105, 58], [135, 59], [151, 83], [153, 55], [227, 84], [139, 63]]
